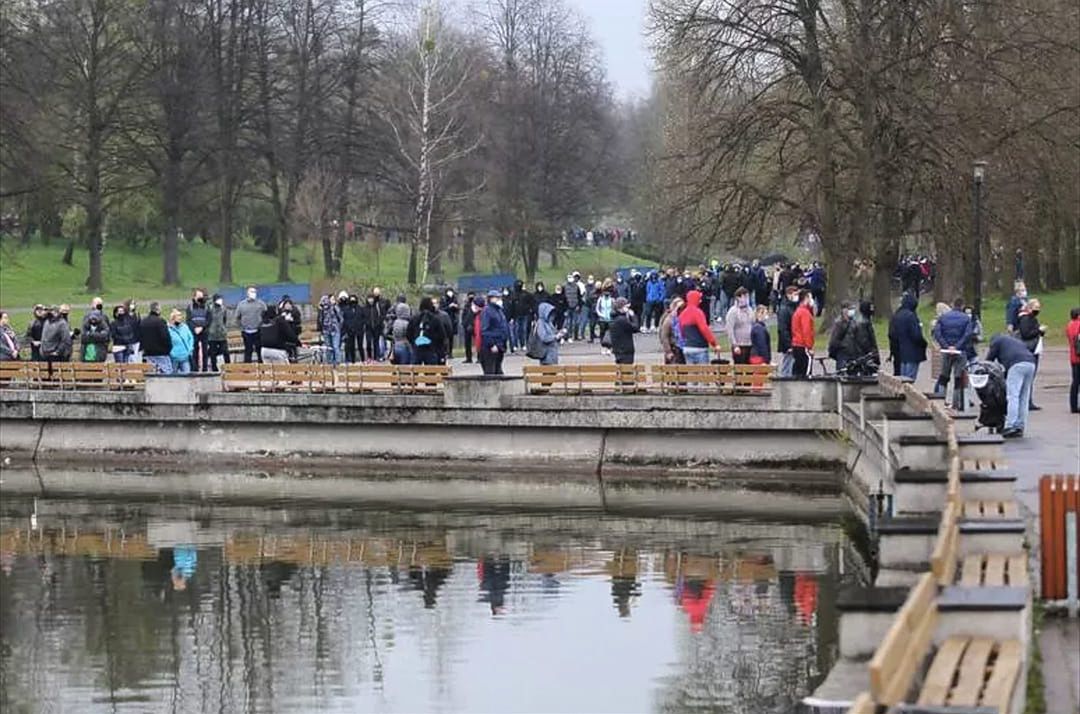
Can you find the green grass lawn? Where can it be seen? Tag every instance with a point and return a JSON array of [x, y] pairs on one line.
[[35, 273]]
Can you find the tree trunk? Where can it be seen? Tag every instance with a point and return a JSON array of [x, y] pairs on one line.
[[283, 250], [411, 279], [327, 252], [435, 251], [885, 259], [532, 259], [69, 254], [95, 218], [225, 276], [1070, 254], [468, 251], [171, 204]]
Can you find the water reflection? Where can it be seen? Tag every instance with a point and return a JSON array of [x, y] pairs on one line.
[[183, 606]]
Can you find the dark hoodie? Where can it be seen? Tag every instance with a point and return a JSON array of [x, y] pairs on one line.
[[693, 323], [906, 341], [522, 302]]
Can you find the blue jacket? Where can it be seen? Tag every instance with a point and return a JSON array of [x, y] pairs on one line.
[[906, 341], [759, 342], [494, 330], [1012, 312], [183, 342], [954, 329], [1007, 351], [654, 290]]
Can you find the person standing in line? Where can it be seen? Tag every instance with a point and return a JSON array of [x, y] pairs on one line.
[[1012, 308], [1019, 364], [399, 334], [547, 333], [802, 335], [154, 340], [182, 343], [842, 340], [494, 334], [760, 349], [788, 303], [426, 334], [56, 337], [468, 318], [217, 333], [277, 337], [95, 339], [1031, 332], [738, 323], [249, 317], [449, 305], [198, 318], [906, 341], [33, 333], [671, 341], [953, 332], [605, 306], [1072, 334], [694, 328], [623, 326], [9, 342], [124, 331], [330, 325]]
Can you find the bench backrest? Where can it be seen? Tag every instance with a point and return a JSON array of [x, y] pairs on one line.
[[943, 559], [581, 378], [722, 378], [905, 645], [315, 377]]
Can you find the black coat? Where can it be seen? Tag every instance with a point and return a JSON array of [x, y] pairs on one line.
[[622, 331], [154, 340]]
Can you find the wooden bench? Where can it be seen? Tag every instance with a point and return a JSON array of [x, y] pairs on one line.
[[585, 378], [980, 570], [863, 704], [128, 375], [277, 377], [17, 374], [973, 672], [399, 379], [991, 510], [901, 653], [720, 378], [981, 464], [241, 376]]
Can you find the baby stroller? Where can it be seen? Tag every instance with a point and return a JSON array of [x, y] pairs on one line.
[[988, 381]]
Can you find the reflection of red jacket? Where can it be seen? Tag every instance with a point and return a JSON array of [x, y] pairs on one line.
[[806, 592], [695, 600], [802, 328]]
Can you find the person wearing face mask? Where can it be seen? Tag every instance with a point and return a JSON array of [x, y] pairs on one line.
[[182, 343], [783, 330], [97, 309], [448, 303], [468, 319], [906, 342], [953, 333], [1012, 309], [249, 314], [95, 340], [843, 345], [1031, 332], [353, 325], [217, 334], [33, 333], [198, 318], [330, 321], [9, 342], [738, 322], [56, 337], [494, 334], [124, 330]]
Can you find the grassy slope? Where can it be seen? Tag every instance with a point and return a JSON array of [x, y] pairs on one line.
[[35, 274]]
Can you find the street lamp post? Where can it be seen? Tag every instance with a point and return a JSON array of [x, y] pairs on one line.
[[978, 174]]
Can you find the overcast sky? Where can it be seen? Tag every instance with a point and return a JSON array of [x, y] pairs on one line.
[[619, 26]]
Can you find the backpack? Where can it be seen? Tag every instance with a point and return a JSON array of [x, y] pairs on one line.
[[534, 348], [422, 340]]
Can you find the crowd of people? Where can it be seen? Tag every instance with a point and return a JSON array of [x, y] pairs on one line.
[[680, 307]]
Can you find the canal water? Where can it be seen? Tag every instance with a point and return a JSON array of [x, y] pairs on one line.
[[188, 600]]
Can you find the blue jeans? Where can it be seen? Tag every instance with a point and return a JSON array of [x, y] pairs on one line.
[[581, 322], [521, 327], [162, 364], [402, 354], [333, 347], [787, 365], [181, 366], [1018, 383], [909, 370], [696, 355]]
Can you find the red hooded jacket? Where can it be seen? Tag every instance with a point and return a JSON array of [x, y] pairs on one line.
[[692, 317]]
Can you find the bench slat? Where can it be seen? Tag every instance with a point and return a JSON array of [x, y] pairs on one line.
[[971, 575], [939, 679], [1017, 566], [999, 688], [904, 646], [863, 704], [972, 673], [995, 570]]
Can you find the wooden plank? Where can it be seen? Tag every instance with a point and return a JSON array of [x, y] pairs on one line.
[[971, 573], [1016, 567], [1009, 509], [995, 570], [939, 679], [863, 704], [904, 646], [972, 673], [999, 687]]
